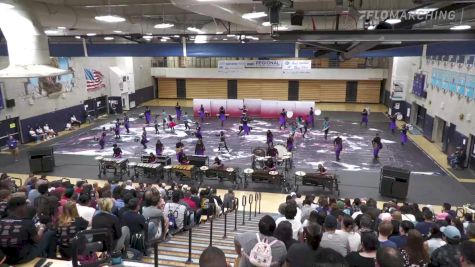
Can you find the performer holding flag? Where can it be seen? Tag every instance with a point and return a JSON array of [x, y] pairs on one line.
[[164, 119], [198, 132], [148, 115], [222, 115], [178, 111], [156, 125], [117, 129], [186, 121], [392, 123], [364, 117], [126, 123], [377, 146], [338, 144], [290, 143], [283, 119], [404, 134], [326, 126], [245, 126]]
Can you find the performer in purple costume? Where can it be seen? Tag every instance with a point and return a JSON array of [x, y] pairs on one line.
[[364, 117], [116, 151], [102, 139], [283, 119], [181, 157], [198, 132], [311, 118], [117, 129], [222, 141], [404, 134], [338, 144], [200, 147], [126, 123], [245, 126], [377, 146], [202, 113], [178, 111], [148, 115], [270, 138], [144, 140], [290, 143], [222, 115], [392, 123], [159, 148]]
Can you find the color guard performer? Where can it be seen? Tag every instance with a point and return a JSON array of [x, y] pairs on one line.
[[272, 151], [102, 138], [127, 123], [200, 147], [117, 129], [326, 126], [222, 141], [305, 128], [283, 119], [245, 126], [178, 111], [198, 132], [144, 140], [222, 115], [404, 134], [156, 124], [244, 109], [148, 115], [181, 157], [270, 138], [159, 147], [364, 117], [338, 144], [152, 158], [171, 123], [164, 119], [116, 151], [311, 117], [186, 121], [290, 143], [300, 123], [392, 123], [377, 146], [202, 113], [12, 144]]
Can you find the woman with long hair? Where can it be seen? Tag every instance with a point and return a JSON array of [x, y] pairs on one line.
[[303, 254], [69, 224], [367, 256], [414, 252], [283, 232]]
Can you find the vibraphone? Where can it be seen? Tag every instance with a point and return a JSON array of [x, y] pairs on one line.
[[198, 160], [149, 170], [118, 165], [184, 171], [329, 181], [228, 174]]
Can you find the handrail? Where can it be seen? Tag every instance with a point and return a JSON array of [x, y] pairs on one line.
[[189, 226], [244, 200], [260, 198], [256, 198], [251, 199], [154, 241], [236, 203]]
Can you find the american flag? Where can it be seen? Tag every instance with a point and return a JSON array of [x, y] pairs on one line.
[[94, 79]]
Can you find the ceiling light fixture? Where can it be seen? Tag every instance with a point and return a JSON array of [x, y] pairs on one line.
[[266, 24], [108, 38], [62, 28], [194, 29], [225, 39], [148, 37], [110, 18], [50, 32], [164, 25], [200, 39], [460, 27], [231, 35], [393, 21], [254, 15], [176, 36], [282, 28], [77, 37], [163, 40], [118, 31], [219, 32], [6, 6], [91, 34], [166, 37]]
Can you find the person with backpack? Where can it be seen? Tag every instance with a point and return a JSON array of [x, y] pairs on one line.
[[175, 213], [260, 249]]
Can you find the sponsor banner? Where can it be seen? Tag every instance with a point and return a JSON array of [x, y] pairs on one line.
[[296, 66], [285, 65]]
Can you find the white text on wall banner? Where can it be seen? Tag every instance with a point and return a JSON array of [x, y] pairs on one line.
[[286, 65], [294, 66]]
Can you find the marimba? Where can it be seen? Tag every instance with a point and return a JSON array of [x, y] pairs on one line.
[[184, 171], [119, 165], [149, 169], [198, 160]]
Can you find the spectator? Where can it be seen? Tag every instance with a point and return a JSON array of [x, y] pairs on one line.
[[435, 241], [366, 257], [471, 232], [132, 218], [213, 257], [175, 212], [120, 235], [447, 208], [83, 208], [401, 239], [187, 201], [303, 254], [23, 240], [117, 195], [414, 253], [389, 257], [448, 254], [290, 214], [348, 229], [467, 219], [385, 229], [306, 207], [228, 199], [68, 193], [332, 240], [245, 242], [327, 257], [406, 213], [424, 226], [151, 209], [33, 193], [284, 233], [467, 254], [457, 223], [69, 224]]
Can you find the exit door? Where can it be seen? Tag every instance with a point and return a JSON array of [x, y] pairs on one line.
[[351, 91]]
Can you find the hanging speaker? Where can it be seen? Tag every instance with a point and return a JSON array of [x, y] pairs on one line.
[[274, 15], [296, 18]]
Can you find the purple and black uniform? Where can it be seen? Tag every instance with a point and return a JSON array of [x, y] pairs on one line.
[[178, 112], [364, 117], [392, 123], [377, 146], [148, 116], [127, 123], [102, 139], [290, 144], [144, 140], [338, 143], [403, 135], [283, 119], [159, 149]]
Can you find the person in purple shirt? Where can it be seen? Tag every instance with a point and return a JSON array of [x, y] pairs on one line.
[[200, 147], [424, 226], [12, 144]]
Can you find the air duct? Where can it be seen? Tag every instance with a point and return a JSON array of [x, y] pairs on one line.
[[27, 44]]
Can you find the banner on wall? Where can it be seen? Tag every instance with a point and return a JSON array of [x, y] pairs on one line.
[[284, 65]]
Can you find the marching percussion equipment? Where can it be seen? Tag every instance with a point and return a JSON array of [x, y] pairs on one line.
[[204, 168], [149, 169], [300, 173], [230, 169], [168, 170], [184, 171], [198, 160], [247, 175], [115, 164], [131, 166], [164, 160], [399, 116]]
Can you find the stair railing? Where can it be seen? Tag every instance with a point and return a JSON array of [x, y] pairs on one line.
[[236, 209], [244, 200], [251, 199]]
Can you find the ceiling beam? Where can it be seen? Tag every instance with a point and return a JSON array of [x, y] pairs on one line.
[[330, 47], [376, 36]]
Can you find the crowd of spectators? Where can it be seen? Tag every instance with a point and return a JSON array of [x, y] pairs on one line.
[[41, 218]]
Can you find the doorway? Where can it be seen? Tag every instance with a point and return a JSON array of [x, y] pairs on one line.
[[449, 147], [439, 132], [351, 91], [471, 153], [420, 116], [125, 101]]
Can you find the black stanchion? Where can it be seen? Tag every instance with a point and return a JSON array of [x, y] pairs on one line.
[[250, 205], [236, 213], [256, 197], [155, 256], [260, 197], [225, 224], [190, 233], [210, 228], [244, 199]]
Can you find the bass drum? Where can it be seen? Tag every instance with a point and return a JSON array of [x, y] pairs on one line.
[[282, 149], [259, 152]]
